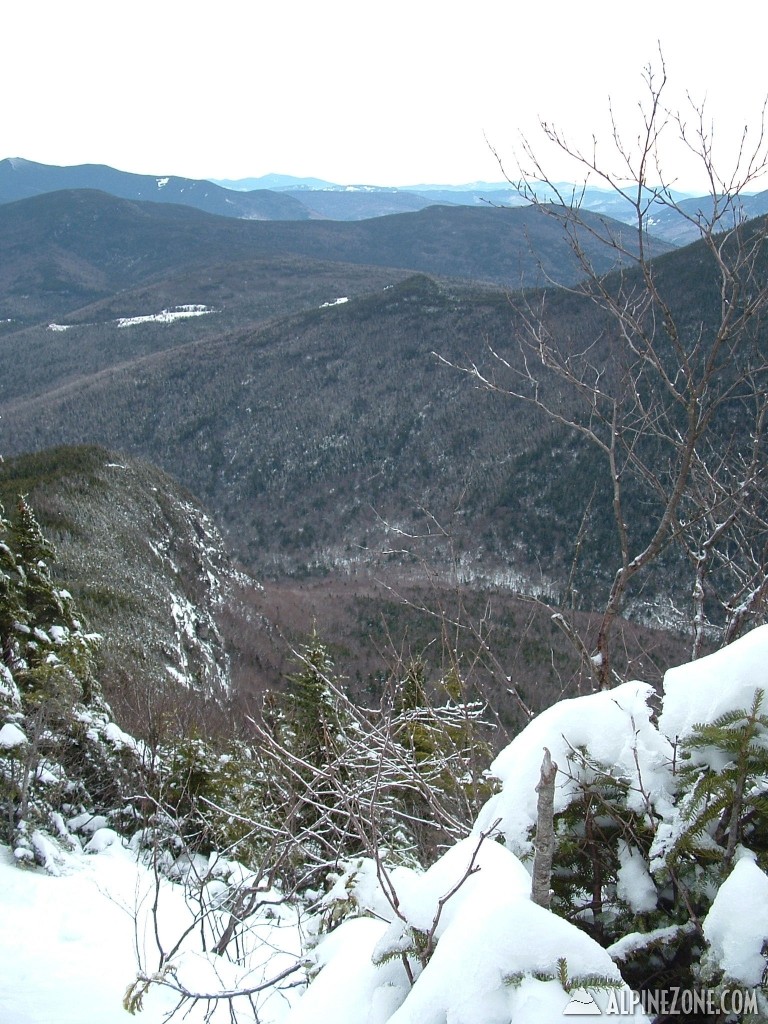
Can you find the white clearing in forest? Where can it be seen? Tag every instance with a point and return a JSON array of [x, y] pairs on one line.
[[165, 316]]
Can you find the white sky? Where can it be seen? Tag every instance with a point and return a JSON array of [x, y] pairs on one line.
[[390, 93]]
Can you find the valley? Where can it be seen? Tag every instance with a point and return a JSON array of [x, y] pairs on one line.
[[302, 381]]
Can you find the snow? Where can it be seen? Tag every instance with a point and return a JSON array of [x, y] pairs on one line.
[[726, 680], [613, 726], [71, 933], [11, 736], [629, 944], [69, 944], [101, 840], [87, 822], [634, 884], [165, 316], [350, 989], [482, 971], [736, 926], [8, 688], [116, 736], [495, 960]]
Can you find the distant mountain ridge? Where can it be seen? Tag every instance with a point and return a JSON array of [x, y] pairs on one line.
[[281, 197], [22, 179]]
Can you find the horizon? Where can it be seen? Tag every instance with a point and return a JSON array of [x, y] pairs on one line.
[[498, 183]]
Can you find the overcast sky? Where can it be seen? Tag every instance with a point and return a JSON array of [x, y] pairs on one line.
[[393, 93]]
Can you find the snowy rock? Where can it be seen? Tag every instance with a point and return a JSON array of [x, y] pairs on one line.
[[101, 840], [87, 822]]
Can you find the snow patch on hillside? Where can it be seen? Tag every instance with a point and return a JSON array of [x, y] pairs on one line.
[[165, 316]]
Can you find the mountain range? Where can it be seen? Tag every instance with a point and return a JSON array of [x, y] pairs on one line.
[[282, 197], [298, 525], [294, 377]]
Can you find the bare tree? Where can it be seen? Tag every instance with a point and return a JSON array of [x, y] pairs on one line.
[[338, 783], [669, 382]]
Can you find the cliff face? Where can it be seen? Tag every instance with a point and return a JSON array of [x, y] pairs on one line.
[[147, 568]]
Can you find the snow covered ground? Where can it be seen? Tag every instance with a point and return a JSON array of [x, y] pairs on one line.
[[165, 316], [68, 943]]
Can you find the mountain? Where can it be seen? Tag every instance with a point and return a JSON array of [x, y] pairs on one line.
[[274, 181], [62, 251], [322, 438], [307, 401], [362, 204], [672, 222], [281, 197], [148, 569], [22, 179], [679, 225], [190, 641]]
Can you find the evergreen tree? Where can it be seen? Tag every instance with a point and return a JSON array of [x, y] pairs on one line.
[[12, 614], [63, 755], [442, 740], [45, 637], [725, 801], [315, 714]]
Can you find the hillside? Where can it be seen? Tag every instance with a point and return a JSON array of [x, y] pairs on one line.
[[310, 404], [149, 571], [163, 332], [216, 856], [192, 642], [308, 434], [328, 438], [64, 250]]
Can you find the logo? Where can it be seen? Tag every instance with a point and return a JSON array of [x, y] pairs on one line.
[[582, 1004], [622, 1002]]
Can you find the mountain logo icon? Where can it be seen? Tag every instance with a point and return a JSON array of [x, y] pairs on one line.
[[582, 1004]]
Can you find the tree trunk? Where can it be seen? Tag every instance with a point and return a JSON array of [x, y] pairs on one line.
[[541, 891]]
